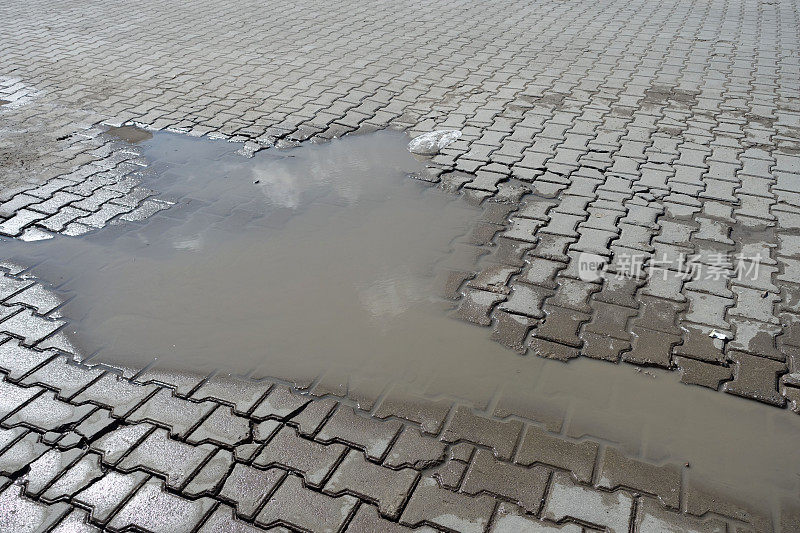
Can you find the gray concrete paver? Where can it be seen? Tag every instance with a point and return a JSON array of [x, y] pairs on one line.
[[599, 110]]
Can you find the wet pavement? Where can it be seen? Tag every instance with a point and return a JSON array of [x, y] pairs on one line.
[[231, 300]]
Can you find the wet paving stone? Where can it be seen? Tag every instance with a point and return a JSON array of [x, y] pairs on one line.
[[161, 224]]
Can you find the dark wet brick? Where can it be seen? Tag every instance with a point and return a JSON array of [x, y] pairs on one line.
[[248, 487], [709, 375], [699, 502], [448, 283], [118, 394], [430, 414], [374, 436], [467, 426], [481, 234], [561, 325], [603, 347], [511, 330], [458, 512], [166, 409], [493, 278], [610, 319], [311, 459], [526, 486], [211, 476], [699, 344], [223, 520], [388, 488], [650, 347], [222, 427], [154, 509], [620, 471], [171, 459], [552, 350], [509, 251], [658, 315], [414, 449], [756, 378], [115, 444], [294, 505], [540, 447], [476, 306], [241, 393], [652, 516], [566, 499], [280, 403]]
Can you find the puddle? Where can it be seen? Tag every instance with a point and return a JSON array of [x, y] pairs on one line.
[[130, 134], [321, 259]]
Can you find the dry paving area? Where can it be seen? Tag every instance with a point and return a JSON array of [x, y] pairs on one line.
[[659, 139]]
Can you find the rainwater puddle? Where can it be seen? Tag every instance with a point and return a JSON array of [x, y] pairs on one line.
[[319, 261]]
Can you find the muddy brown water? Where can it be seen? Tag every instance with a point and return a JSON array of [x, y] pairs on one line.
[[320, 259]]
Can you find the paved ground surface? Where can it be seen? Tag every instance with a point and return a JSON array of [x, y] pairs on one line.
[[642, 132]]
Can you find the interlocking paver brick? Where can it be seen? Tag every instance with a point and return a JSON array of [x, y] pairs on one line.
[[755, 377], [19, 514], [154, 509], [435, 505], [116, 443], [540, 447], [525, 486], [222, 426], [120, 395], [248, 487], [222, 520], [75, 522], [510, 519], [169, 458], [106, 494], [427, 413], [467, 426], [47, 413], [311, 459], [21, 453], [295, 506], [13, 397], [45, 469], [242, 393], [651, 516], [179, 415], [79, 476], [662, 481], [374, 436], [388, 488], [280, 402], [609, 510]]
